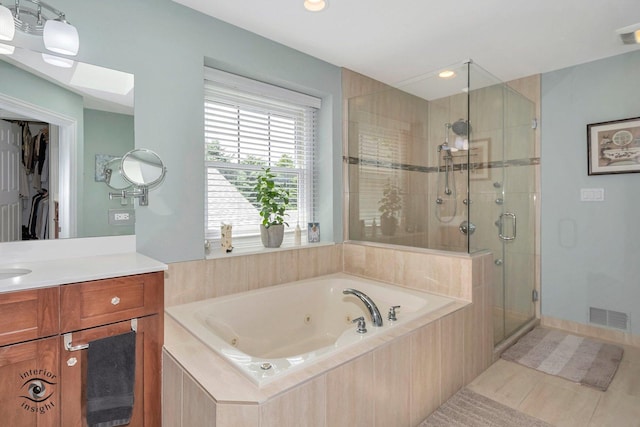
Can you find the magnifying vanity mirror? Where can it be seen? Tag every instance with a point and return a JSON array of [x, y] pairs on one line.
[[113, 175], [84, 118], [141, 170]]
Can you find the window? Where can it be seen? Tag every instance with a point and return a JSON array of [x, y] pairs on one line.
[[250, 125], [383, 157]]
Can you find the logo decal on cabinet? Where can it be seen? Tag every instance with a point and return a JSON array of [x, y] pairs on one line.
[[37, 390]]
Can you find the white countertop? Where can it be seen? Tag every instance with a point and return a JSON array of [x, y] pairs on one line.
[[52, 272]]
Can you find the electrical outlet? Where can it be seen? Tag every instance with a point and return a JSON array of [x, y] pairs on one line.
[[121, 216]]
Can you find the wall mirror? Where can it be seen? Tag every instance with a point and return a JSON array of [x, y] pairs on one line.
[[82, 115]]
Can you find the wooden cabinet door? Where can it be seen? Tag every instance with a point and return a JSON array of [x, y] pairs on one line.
[[30, 384], [27, 315], [147, 386]]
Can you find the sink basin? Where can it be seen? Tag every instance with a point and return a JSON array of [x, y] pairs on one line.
[[8, 273]]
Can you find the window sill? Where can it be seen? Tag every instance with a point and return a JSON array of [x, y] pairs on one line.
[[217, 252]]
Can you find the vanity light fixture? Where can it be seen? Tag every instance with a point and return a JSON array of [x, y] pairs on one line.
[[7, 27], [630, 34], [58, 35], [315, 5]]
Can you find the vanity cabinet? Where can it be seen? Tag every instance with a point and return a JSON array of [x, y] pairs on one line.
[[43, 352]]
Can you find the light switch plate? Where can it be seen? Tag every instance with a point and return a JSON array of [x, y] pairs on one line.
[[592, 194], [122, 216]]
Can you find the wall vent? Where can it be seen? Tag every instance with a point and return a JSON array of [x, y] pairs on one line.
[[609, 318]]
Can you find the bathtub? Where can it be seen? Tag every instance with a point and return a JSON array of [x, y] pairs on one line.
[[271, 332]]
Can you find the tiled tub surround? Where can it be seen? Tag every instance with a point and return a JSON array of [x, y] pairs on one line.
[[290, 326], [209, 278], [397, 382]]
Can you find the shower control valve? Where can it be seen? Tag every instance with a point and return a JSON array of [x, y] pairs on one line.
[[392, 313], [362, 325]]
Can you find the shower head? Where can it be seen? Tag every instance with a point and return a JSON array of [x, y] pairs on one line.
[[461, 127]]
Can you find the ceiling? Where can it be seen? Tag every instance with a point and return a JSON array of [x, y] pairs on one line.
[[397, 40]]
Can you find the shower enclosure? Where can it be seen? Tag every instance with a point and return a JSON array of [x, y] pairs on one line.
[[447, 161]]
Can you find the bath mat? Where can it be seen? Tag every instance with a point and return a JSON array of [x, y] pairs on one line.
[[469, 409], [581, 360]]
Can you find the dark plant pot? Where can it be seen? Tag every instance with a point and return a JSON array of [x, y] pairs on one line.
[[388, 225], [272, 236]]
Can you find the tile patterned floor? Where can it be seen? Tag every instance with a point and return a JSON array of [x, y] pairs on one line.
[[563, 403]]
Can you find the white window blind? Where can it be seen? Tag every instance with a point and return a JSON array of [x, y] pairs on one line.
[[250, 125]]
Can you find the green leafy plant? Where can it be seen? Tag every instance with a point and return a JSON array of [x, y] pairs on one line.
[[272, 198], [391, 202]]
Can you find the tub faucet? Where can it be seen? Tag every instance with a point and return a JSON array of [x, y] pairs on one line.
[[376, 318]]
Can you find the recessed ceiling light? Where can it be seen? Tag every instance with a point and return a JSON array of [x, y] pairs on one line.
[[446, 74], [630, 34], [315, 5]]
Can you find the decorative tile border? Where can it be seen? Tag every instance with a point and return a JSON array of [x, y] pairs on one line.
[[533, 161]]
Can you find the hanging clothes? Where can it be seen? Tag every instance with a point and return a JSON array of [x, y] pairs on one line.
[[27, 147], [39, 214], [42, 225], [23, 182], [39, 158]]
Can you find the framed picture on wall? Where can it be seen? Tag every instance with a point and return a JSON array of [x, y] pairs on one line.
[[614, 147]]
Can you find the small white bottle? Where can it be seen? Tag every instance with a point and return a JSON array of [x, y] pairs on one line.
[[297, 236]]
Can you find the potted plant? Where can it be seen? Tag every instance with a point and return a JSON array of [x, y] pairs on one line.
[[273, 200], [390, 205]]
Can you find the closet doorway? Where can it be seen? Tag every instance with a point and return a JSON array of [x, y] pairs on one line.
[[21, 198]]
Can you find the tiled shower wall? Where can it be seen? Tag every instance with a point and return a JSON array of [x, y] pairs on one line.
[[507, 153]]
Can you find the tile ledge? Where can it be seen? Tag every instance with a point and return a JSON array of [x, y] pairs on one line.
[[217, 253]]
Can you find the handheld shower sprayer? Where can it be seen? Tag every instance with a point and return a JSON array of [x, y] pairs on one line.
[[449, 177]]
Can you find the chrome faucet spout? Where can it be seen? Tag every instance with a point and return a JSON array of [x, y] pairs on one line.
[[376, 317]]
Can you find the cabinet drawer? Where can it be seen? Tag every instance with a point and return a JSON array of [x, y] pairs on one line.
[[100, 302], [27, 315]]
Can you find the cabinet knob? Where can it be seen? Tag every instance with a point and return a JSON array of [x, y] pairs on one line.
[[72, 361], [115, 301]]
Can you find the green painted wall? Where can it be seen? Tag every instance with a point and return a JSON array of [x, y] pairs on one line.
[[590, 250], [165, 46], [111, 134]]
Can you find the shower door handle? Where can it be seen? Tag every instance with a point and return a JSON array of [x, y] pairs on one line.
[[500, 233]]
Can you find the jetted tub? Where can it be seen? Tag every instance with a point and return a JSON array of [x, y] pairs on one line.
[[273, 331]]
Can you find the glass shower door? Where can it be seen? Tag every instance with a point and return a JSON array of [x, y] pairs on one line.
[[516, 222], [502, 177]]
